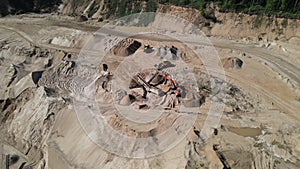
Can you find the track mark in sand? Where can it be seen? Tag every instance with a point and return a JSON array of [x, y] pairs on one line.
[[31, 41], [279, 102], [279, 63]]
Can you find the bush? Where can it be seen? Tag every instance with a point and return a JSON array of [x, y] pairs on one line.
[[93, 9], [257, 21], [122, 8], [137, 9], [284, 23], [151, 6], [100, 20]]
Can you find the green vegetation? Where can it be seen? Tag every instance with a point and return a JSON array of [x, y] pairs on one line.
[[280, 31], [197, 4], [164, 9], [137, 9], [75, 4], [23, 6], [201, 7], [280, 8], [122, 8], [93, 9], [151, 6], [257, 21], [119, 8], [269, 21], [100, 20], [284, 23], [111, 6]]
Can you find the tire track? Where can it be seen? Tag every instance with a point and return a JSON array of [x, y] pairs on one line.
[[277, 62], [34, 43], [291, 110]]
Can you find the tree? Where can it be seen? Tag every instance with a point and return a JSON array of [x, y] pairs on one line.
[[122, 8], [151, 6], [283, 5]]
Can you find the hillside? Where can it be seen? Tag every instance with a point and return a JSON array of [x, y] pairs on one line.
[[117, 8], [251, 20]]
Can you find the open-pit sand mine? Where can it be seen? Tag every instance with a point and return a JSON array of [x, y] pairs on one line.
[[54, 100]]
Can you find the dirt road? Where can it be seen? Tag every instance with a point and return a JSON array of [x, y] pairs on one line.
[[278, 62]]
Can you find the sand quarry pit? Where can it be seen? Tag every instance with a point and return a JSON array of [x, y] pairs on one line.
[[151, 82], [44, 124]]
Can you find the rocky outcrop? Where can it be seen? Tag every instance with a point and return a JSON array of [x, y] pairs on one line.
[[23, 6], [28, 107], [27, 121], [213, 23]]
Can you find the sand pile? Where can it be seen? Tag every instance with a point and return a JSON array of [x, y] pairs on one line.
[[126, 47], [232, 63]]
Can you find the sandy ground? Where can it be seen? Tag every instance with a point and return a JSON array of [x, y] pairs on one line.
[[269, 76]]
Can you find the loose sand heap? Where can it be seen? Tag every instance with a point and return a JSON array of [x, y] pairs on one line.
[[232, 62]]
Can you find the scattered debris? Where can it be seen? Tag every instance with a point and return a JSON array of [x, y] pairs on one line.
[[105, 78], [215, 131], [168, 53], [223, 127], [148, 48], [164, 65], [174, 50]]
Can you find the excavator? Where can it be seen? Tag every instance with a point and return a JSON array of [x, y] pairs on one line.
[[177, 90], [147, 87]]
